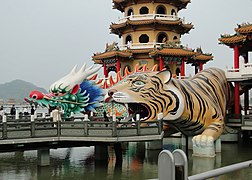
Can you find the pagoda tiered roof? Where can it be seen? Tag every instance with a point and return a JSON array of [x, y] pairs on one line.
[[172, 51], [243, 35], [122, 4], [177, 25]]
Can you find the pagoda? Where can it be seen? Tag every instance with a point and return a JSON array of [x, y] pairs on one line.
[[150, 31], [241, 42]]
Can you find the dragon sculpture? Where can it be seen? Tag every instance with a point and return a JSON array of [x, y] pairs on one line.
[[82, 92], [78, 92]]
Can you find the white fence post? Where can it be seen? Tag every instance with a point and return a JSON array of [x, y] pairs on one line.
[[166, 167], [17, 115], [4, 119], [172, 165]]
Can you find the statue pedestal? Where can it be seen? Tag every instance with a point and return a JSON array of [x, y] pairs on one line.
[[208, 149]]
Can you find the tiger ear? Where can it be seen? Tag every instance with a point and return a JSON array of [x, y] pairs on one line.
[[164, 75]]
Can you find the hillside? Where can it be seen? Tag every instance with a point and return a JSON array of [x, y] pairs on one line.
[[17, 89]]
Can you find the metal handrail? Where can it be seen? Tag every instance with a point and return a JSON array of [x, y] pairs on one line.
[[221, 171]]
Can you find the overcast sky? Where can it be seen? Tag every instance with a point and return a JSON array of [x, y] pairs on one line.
[[41, 40]]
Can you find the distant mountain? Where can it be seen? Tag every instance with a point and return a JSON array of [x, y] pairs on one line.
[[17, 89]]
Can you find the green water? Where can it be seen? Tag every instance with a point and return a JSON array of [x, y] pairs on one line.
[[138, 163]]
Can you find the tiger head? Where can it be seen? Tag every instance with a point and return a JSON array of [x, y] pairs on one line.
[[149, 94]]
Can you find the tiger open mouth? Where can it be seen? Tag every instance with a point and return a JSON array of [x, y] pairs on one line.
[[139, 108], [133, 107]]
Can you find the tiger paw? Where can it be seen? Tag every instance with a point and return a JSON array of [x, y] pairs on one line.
[[203, 146]]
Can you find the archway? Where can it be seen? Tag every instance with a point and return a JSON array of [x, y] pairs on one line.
[[128, 39], [161, 10], [144, 38], [162, 37], [130, 12], [144, 10]]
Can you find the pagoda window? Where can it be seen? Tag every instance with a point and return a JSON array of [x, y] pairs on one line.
[[130, 12], [144, 10], [175, 39], [144, 38], [161, 10], [162, 37], [128, 39], [173, 12]]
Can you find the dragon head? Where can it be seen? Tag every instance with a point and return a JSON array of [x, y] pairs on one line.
[[74, 92]]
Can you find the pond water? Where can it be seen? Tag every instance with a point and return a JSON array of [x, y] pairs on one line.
[[137, 164]]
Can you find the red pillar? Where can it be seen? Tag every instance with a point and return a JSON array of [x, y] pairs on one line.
[[236, 57], [182, 70], [161, 63], [201, 66], [105, 72], [118, 65], [236, 89]]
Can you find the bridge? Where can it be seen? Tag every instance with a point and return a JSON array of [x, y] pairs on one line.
[[41, 133], [28, 130]]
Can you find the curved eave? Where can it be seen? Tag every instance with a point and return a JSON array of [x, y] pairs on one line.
[[244, 29], [122, 4], [173, 52], [111, 54], [203, 57], [230, 40], [183, 28]]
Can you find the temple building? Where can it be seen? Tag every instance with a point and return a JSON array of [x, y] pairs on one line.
[[241, 42], [150, 31]]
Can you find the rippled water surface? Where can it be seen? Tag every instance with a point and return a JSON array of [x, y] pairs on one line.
[[138, 163]]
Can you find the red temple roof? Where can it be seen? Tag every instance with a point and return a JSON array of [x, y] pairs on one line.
[[245, 29], [111, 54], [243, 34], [165, 51], [232, 39], [173, 52]]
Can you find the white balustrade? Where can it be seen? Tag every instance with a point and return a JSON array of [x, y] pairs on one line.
[[140, 17], [245, 71], [140, 45]]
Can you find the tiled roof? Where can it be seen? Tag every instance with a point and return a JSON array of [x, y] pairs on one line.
[[186, 27], [173, 52], [166, 51], [143, 22], [203, 57], [232, 39], [244, 29], [110, 54], [121, 4]]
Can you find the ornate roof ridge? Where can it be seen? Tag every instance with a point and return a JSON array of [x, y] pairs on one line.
[[121, 4]]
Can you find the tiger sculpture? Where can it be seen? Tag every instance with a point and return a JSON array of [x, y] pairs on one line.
[[195, 106]]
